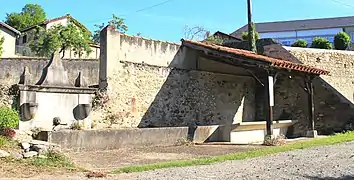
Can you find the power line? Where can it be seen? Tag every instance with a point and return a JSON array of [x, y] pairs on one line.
[[342, 3], [139, 10]]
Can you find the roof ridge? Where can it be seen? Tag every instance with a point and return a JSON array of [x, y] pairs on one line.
[[275, 62]]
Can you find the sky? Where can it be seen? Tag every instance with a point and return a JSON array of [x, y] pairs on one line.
[[167, 21]]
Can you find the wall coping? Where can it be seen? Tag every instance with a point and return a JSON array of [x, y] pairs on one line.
[[314, 50], [148, 39], [41, 59]]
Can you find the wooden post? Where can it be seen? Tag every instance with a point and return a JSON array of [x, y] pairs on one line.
[[269, 103], [311, 107]]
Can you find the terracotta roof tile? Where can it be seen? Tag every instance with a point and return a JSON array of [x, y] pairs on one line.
[[278, 63]]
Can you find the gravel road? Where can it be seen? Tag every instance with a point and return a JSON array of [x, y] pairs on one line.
[[328, 162]]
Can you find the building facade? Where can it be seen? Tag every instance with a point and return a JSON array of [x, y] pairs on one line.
[[287, 32], [9, 34]]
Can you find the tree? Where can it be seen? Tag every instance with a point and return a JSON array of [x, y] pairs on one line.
[[341, 41], [245, 35], [321, 43], [300, 43], [61, 38], [30, 15], [117, 22], [197, 33], [2, 39]]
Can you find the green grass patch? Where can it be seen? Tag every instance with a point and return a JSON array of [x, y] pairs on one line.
[[6, 142], [334, 139], [53, 159]]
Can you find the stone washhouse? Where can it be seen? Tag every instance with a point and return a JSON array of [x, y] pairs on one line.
[[53, 102], [265, 71]]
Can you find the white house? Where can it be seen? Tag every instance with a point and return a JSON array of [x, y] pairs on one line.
[[9, 34], [287, 32], [28, 34]]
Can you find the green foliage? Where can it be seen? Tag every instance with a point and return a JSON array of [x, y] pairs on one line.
[[214, 40], [341, 41], [245, 35], [300, 43], [2, 39], [9, 118], [4, 141], [61, 37], [116, 21], [7, 142], [53, 159], [30, 15], [321, 43]]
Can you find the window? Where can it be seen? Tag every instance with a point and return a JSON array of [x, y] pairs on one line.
[[24, 39], [286, 43], [330, 39]]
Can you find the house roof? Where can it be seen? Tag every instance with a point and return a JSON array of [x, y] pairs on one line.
[[221, 34], [273, 62], [306, 24], [10, 28], [57, 19]]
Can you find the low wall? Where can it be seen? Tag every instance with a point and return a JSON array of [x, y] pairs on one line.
[[127, 138]]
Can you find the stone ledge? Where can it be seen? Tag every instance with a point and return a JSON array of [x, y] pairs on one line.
[[57, 89]]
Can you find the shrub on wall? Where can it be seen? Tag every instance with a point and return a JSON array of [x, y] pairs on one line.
[[9, 118], [2, 39], [341, 41], [245, 35], [300, 43], [321, 43]]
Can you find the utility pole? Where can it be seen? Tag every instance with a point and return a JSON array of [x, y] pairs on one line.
[[251, 30]]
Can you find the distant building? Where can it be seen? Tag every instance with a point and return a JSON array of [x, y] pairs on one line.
[[28, 35], [287, 32], [9, 34]]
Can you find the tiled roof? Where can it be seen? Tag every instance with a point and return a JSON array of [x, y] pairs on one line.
[[305, 24], [10, 28], [277, 63]]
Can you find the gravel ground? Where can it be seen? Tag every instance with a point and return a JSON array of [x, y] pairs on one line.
[[328, 162]]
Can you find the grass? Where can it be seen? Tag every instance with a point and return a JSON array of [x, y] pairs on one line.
[[334, 139], [54, 160], [5, 142]]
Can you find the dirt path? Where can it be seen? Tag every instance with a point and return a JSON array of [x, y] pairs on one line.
[[112, 159]]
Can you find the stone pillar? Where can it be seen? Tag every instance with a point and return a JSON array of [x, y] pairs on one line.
[[109, 55]]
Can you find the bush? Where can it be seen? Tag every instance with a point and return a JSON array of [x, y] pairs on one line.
[[341, 41], [300, 43], [245, 35], [2, 39], [9, 118], [321, 43]]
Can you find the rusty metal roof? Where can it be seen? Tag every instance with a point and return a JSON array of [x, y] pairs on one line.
[[277, 63]]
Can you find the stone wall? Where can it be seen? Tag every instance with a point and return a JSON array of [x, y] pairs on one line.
[[151, 96], [12, 68], [333, 94], [156, 84], [339, 63]]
